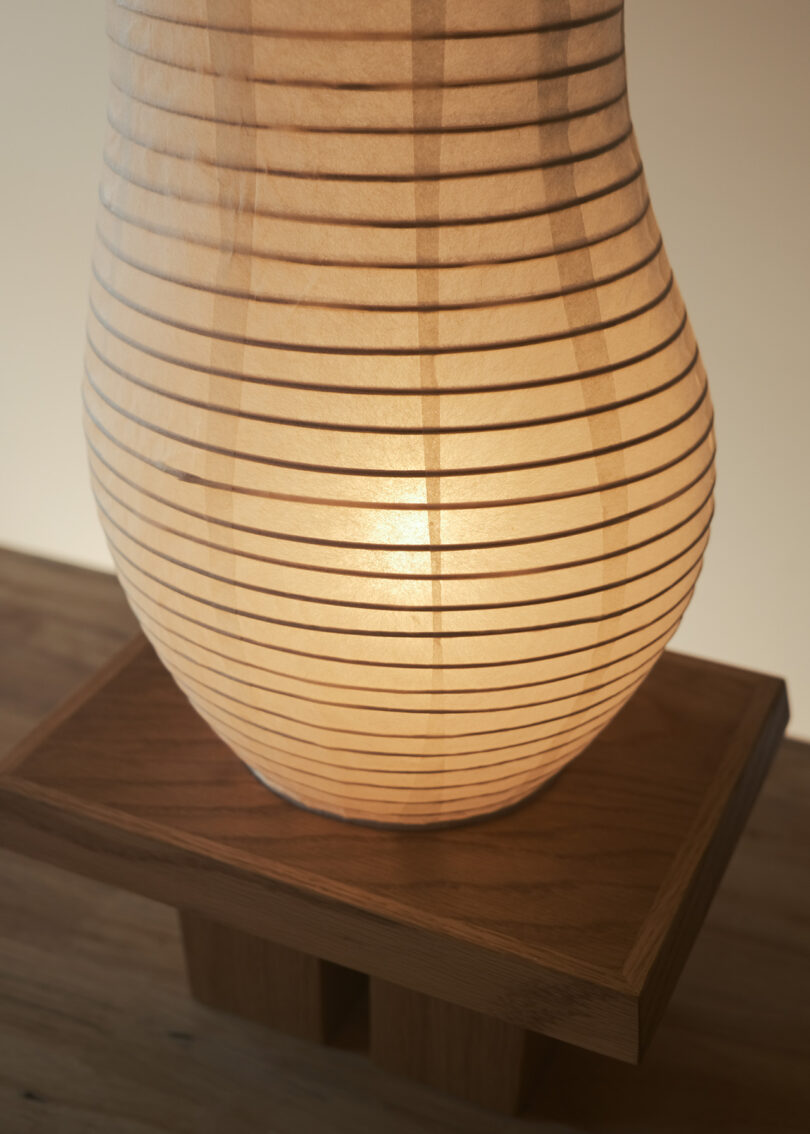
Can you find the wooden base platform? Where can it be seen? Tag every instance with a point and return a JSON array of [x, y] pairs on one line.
[[568, 919]]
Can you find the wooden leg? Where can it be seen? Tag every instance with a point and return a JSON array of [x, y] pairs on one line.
[[270, 984], [480, 1059]]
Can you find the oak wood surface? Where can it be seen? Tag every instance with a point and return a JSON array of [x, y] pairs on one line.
[[267, 983], [570, 916], [58, 625], [473, 1056], [98, 1033]]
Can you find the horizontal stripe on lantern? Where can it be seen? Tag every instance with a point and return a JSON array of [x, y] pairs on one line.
[[602, 598], [371, 415], [313, 482], [344, 586], [142, 136], [460, 287], [623, 368], [287, 713], [314, 555], [485, 745], [544, 552], [209, 654], [303, 239], [150, 164], [194, 94], [379, 340], [604, 171], [353, 20], [384, 65], [434, 807], [547, 356], [422, 781], [185, 83], [165, 131], [202, 460], [431, 702], [191, 308], [267, 58], [410, 677], [415, 647], [375, 414], [468, 197], [421, 777], [410, 650]]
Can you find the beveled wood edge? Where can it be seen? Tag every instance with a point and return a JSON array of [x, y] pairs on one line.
[[71, 703], [657, 958], [769, 707], [179, 870]]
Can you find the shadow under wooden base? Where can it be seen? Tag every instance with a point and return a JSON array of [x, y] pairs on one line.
[[270, 984]]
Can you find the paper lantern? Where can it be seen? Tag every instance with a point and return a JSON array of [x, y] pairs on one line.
[[397, 427]]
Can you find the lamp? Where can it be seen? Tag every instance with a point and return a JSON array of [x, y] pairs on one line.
[[398, 430]]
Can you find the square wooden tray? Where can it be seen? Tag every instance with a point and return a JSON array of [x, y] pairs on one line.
[[570, 916]]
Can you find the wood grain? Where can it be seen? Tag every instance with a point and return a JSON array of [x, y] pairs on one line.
[[475, 1057], [264, 982], [570, 916], [98, 1033], [59, 625]]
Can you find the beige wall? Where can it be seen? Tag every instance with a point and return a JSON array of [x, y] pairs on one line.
[[53, 86], [720, 92]]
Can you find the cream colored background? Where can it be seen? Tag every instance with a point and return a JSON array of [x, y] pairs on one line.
[[720, 91]]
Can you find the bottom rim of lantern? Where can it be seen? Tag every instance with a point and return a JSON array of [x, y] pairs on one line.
[[481, 817]]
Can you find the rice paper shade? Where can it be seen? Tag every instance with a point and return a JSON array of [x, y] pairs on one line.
[[398, 430]]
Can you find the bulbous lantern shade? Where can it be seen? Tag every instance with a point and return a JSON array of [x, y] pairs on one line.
[[397, 427]]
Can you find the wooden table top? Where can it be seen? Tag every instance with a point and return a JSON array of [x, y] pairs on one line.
[[570, 915], [104, 1036]]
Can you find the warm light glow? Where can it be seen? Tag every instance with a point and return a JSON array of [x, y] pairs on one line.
[[397, 427]]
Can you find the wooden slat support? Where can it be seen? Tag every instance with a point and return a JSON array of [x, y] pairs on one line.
[[470, 1055], [270, 984]]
